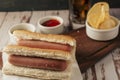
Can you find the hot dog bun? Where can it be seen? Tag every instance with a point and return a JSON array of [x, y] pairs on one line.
[[46, 53], [22, 34], [36, 73], [53, 38]]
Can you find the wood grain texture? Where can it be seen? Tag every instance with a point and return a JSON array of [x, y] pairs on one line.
[[105, 69], [90, 51], [11, 19]]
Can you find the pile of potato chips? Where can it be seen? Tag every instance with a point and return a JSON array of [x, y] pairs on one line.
[[98, 16]]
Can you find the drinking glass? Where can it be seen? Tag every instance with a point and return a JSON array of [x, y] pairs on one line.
[[78, 10]]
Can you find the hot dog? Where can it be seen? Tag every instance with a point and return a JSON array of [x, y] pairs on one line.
[[53, 40], [37, 62], [50, 56], [44, 45]]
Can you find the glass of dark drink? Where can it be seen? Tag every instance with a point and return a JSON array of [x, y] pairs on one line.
[[78, 11]]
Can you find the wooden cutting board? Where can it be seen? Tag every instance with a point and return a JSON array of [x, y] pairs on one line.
[[90, 51]]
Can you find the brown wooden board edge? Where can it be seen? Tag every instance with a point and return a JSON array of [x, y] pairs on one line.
[[93, 59]]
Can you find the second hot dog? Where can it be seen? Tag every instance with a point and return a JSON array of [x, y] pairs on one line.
[[44, 45]]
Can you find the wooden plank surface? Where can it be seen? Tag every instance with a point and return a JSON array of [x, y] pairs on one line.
[[11, 19], [2, 17], [107, 68], [116, 58]]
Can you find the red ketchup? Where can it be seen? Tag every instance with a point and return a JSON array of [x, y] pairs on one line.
[[51, 23]]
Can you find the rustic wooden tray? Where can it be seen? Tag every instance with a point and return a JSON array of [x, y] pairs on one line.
[[90, 51]]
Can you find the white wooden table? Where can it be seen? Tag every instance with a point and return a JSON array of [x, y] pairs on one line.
[[106, 69]]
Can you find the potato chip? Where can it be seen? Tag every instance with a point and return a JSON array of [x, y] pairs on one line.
[[97, 14]]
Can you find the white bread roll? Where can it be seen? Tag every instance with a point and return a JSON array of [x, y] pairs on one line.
[[46, 53], [63, 39], [36, 73]]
